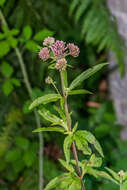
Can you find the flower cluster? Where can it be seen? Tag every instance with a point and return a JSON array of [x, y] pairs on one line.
[[58, 50]]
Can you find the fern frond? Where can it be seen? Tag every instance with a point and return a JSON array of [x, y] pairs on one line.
[[99, 27]]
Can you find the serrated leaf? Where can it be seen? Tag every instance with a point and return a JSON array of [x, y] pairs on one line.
[[91, 139], [67, 145], [44, 100], [95, 161], [27, 32], [82, 91], [41, 35], [6, 69], [85, 75], [7, 87], [56, 129], [69, 167], [53, 183], [113, 173], [4, 48]]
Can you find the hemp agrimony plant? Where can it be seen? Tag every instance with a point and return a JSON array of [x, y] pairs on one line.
[[80, 140]]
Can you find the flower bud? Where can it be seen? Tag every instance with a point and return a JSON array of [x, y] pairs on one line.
[[48, 80]]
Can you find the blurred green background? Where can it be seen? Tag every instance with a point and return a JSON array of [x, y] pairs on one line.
[[94, 32]]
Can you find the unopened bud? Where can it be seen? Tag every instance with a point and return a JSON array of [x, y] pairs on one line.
[[48, 80], [121, 173], [61, 64]]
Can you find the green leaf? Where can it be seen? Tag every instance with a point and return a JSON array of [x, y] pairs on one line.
[[91, 139], [14, 32], [6, 69], [113, 173], [7, 87], [56, 129], [26, 107], [4, 48], [32, 46], [53, 183], [29, 158], [13, 155], [67, 145], [69, 167], [16, 82], [27, 32], [75, 127], [2, 2], [2, 36], [106, 176], [44, 100], [41, 35], [12, 41], [76, 185], [22, 142], [125, 176], [95, 161], [85, 75], [73, 92], [82, 144]]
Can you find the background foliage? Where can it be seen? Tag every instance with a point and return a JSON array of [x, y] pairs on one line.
[[18, 145]]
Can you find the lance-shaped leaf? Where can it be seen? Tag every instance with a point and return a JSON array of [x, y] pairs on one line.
[[67, 145], [56, 129], [64, 74], [69, 167], [91, 139], [82, 144], [85, 75], [47, 115], [53, 183], [44, 100], [106, 176], [95, 161], [82, 91], [113, 173]]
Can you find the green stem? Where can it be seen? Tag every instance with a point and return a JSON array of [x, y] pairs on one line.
[[69, 127], [29, 89]]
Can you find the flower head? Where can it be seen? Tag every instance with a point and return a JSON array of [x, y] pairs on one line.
[[61, 64], [48, 80], [58, 49], [73, 50], [44, 54], [48, 41]]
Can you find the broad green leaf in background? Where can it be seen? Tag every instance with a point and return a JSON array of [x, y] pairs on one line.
[[27, 32], [6, 69], [12, 41], [22, 142], [29, 158], [4, 48], [85, 75], [56, 129], [91, 139], [41, 35], [32, 46], [2, 2], [14, 32], [67, 145], [7, 87], [12, 155], [15, 82], [82, 91], [44, 100]]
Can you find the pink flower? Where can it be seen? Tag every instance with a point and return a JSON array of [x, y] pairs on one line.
[[44, 54], [48, 41], [61, 64], [73, 50], [58, 49]]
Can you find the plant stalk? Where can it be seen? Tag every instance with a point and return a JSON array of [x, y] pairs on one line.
[[70, 129], [37, 118]]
